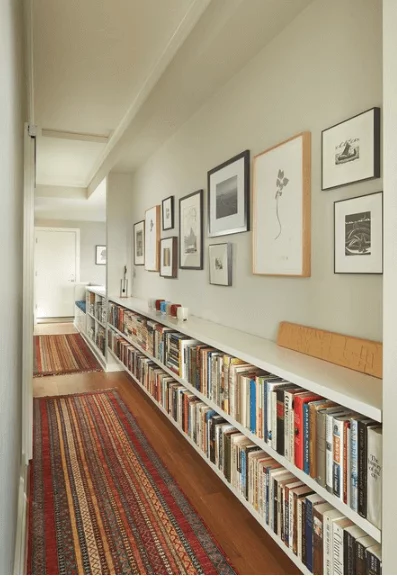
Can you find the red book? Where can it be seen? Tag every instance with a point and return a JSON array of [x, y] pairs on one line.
[[299, 401]]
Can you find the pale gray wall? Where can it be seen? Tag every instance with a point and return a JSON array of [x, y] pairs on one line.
[[324, 67], [91, 234], [12, 115]]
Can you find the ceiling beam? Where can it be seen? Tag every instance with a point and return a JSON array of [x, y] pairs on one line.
[[63, 135], [57, 192]]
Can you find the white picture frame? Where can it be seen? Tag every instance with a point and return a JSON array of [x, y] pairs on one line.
[[191, 231], [350, 150], [281, 209], [139, 243], [100, 255], [220, 264], [152, 239], [358, 235]]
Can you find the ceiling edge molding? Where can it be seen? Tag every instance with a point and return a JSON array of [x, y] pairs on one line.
[[192, 16]]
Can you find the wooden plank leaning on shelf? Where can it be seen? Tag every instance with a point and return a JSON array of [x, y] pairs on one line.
[[355, 353]]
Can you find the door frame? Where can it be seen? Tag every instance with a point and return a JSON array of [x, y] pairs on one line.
[[57, 229]]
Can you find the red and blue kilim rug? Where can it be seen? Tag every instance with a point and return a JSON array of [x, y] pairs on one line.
[[102, 501], [62, 354]]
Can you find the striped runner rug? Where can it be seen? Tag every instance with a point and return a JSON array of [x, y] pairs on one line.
[[102, 501], [63, 354]]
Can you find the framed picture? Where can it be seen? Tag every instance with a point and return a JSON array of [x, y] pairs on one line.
[[167, 212], [358, 235], [228, 196], [100, 255], [168, 257], [152, 238], [220, 258], [139, 243], [191, 231], [351, 150], [281, 210]]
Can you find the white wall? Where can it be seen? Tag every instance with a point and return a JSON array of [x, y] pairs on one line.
[[324, 67], [91, 234], [12, 115]]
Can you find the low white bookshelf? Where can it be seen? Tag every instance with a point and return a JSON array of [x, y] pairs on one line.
[[359, 392]]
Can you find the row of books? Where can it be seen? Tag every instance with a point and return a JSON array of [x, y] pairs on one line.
[[319, 535]]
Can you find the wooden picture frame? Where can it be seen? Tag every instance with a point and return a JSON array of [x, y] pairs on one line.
[[139, 243], [168, 257], [350, 150], [229, 196], [282, 230], [152, 239], [167, 213], [191, 255]]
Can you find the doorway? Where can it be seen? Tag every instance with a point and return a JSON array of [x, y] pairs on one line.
[[57, 269]]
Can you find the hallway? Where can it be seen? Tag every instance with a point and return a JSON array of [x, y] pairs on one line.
[[249, 550]]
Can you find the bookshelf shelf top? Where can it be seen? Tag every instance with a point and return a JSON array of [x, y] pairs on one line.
[[359, 392], [99, 290]]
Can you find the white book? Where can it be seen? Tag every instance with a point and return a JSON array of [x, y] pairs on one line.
[[328, 518], [280, 474], [299, 510], [270, 386], [374, 476], [289, 424], [337, 544], [329, 450], [274, 420]]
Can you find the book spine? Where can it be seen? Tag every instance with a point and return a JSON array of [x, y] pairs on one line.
[[374, 478], [313, 441], [327, 560], [298, 433], [274, 419], [252, 404], [362, 469], [354, 464], [373, 564], [287, 424], [337, 549], [346, 461], [338, 458], [317, 542], [291, 519], [280, 421], [361, 567], [329, 455], [348, 554], [309, 536], [299, 532], [304, 541], [306, 434]]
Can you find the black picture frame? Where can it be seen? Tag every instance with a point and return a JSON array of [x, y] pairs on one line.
[[171, 200], [199, 228], [98, 260], [337, 270], [245, 215], [142, 261], [376, 161]]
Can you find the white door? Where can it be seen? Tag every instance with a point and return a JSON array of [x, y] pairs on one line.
[[56, 254]]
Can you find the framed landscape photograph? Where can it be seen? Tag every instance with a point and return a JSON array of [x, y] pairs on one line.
[[281, 209], [167, 213], [139, 243], [351, 150], [168, 257], [191, 231], [228, 196], [358, 235], [100, 255], [220, 264], [152, 239]]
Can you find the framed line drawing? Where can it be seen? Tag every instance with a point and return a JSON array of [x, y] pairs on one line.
[[350, 150], [168, 257], [152, 238], [100, 255], [167, 213], [281, 208], [139, 243], [228, 196], [220, 264], [191, 231], [358, 235]]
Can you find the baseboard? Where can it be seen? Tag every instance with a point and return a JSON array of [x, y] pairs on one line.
[[20, 537]]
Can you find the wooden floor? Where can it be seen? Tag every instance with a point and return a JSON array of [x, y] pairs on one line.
[[248, 547], [55, 328]]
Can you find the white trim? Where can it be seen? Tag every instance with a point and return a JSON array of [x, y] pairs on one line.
[[20, 537]]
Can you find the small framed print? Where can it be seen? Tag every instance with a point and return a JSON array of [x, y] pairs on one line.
[[191, 231], [152, 239], [100, 255], [220, 258], [358, 235], [168, 257], [139, 243], [228, 196], [167, 213], [351, 150]]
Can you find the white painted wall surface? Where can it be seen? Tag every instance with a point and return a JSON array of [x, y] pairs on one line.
[[12, 115], [91, 234], [323, 68]]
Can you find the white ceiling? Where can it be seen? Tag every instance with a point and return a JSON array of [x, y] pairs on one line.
[[133, 71]]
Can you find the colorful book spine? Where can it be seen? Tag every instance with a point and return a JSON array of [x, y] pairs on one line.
[[306, 439]]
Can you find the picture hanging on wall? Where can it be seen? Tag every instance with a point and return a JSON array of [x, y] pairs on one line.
[[351, 150], [191, 231], [168, 257], [139, 243], [167, 213], [358, 235], [228, 196], [152, 239], [100, 255], [220, 264], [281, 209]]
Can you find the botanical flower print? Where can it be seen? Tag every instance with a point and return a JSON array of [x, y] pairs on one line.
[[281, 182]]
